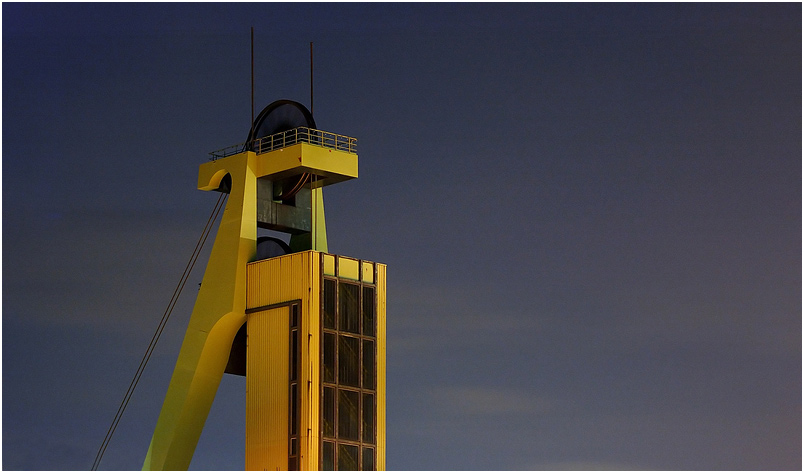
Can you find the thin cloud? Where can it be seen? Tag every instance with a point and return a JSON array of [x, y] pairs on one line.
[[109, 277], [583, 465], [482, 401]]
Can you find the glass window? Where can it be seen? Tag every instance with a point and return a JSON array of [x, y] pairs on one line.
[[347, 457], [368, 364], [349, 315], [328, 457], [328, 419], [368, 312], [348, 420], [329, 303], [329, 357], [348, 361], [349, 374], [368, 459], [294, 354], [368, 418], [293, 414], [294, 408]]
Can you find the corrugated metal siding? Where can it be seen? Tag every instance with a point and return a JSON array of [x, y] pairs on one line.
[[280, 279], [381, 365], [294, 277], [267, 385]]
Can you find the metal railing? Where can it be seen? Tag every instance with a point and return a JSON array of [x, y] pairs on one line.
[[289, 138]]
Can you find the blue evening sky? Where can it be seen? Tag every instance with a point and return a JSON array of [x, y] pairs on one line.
[[591, 216]]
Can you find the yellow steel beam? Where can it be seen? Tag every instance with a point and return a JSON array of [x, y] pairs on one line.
[[219, 310], [330, 165], [218, 314]]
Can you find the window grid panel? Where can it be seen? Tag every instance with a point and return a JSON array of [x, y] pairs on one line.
[[348, 457], [343, 444], [330, 358], [348, 361], [348, 308], [348, 415], [367, 461], [328, 456], [367, 428], [369, 312], [369, 356], [328, 311], [329, 409]]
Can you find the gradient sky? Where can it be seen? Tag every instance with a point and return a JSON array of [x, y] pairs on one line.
[[591, 216]]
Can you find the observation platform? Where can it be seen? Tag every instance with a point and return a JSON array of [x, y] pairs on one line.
[[312, 157], [284, 139]]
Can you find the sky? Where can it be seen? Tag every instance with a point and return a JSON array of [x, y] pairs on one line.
[[590, 213]]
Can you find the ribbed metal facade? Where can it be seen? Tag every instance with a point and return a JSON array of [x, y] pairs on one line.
[[267, 389], [290, 279]]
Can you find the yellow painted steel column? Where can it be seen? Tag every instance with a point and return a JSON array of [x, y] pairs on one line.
[[319, 233], [218, 314], [381, 365]]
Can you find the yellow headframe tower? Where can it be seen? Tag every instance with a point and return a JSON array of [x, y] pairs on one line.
[[306, 328]]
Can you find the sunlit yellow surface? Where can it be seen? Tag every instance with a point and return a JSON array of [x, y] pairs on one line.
[[329, 164], [281, 280], [381, 364], [267, 389], [297, 277], [218, 314], [234, 291]]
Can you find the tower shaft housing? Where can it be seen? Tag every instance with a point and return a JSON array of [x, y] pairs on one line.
[[315, 375]]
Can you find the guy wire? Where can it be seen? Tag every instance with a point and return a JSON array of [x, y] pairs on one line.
[[160, 328]]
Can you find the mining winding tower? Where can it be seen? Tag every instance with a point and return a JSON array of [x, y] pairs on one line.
[[304, 326]]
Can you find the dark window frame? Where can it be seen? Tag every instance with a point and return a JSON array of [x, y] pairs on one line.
[[363, 445], [294, 396]]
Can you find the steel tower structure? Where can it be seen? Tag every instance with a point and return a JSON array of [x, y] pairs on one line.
[[305, 327]]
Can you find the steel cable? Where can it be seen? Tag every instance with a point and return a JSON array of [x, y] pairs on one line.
[[160, 328]]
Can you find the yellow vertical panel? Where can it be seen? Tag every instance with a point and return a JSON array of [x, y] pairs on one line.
[[329, 264], [310, 361], [348, 268], [267, 386], [367, 272], [319, 223], [381, 365]]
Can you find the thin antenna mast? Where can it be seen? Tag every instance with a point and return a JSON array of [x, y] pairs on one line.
[[311, 78], [252, 82]]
